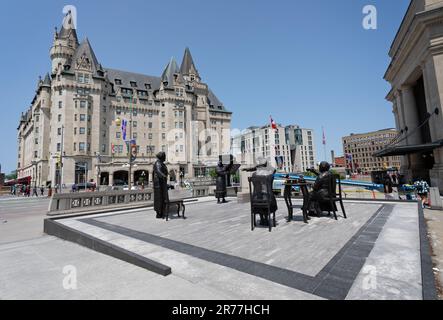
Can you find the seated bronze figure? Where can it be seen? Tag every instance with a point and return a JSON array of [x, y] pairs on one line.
[[263, 179], [321, 188]]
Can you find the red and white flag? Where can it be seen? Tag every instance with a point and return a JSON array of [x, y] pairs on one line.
[[273, 124]]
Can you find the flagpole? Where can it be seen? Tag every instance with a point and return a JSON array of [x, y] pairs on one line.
[[130, 145], [324, 143], [273, 129]]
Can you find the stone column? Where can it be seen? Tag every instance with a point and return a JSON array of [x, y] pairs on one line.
[[415, 169], [111, 178], [243, 195], [433, 81], [410, 115], [398, 101]]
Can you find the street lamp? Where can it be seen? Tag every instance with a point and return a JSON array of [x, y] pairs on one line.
[[118, 123], [99, 161], [34, 164], [61, 159]]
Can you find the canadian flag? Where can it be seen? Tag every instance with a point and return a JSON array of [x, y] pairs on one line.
[[273, 124]]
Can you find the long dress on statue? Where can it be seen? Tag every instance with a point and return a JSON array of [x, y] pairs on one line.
[[160, 179], [220, 190]]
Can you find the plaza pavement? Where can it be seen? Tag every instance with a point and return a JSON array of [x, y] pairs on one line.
[[374, 254], [21, 218]]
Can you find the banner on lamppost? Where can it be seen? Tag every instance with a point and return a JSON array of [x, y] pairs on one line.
[[124, 126], [133, 145]]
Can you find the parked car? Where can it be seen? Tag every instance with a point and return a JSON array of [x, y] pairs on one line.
[[83, 186], [126, 188], [118, 183]]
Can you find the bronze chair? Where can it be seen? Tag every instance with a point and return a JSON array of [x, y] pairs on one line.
[[333, 197]]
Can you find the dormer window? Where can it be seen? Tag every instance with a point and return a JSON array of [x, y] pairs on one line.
[[126, 91], [148, 86], [133, 84], [142, 93], [118, 82], [192, 76]]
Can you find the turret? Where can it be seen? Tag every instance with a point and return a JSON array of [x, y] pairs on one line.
[[188, 69], [171, 75], [65, 44]]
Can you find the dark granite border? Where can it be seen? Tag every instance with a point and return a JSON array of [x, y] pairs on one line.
[[333, 282], [54, 228], [427, 273]]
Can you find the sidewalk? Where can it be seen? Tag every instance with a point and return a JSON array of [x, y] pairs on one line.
[[434, 219]]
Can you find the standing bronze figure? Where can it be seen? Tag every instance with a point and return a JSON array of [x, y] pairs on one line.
[[160, 181], [220, 191]]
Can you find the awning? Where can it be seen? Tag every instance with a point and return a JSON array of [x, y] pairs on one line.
[[405, 150]]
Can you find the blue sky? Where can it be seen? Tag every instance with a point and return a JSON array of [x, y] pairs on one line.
[[305, 62]]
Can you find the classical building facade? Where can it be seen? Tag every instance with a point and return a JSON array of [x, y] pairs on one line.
[[84, 116], [359, 151], [290, 149], [415, 74]]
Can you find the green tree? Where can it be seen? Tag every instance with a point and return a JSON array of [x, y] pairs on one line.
[[11, 176], [309, 174], [213, 173], [342, 177]]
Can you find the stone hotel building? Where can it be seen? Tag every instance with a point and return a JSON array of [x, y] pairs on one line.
[[75, 119]]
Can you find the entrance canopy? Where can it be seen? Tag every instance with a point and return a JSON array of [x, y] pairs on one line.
[[405, 150]]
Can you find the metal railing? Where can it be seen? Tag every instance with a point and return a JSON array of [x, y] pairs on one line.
[[65, 203]]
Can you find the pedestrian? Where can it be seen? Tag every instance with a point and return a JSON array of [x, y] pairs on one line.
[[34, 192], [42, 191], [422, 188], [28, 191]]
